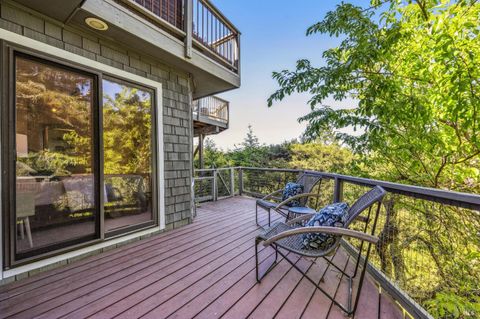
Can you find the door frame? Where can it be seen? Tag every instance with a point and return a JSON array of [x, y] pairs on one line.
[[9, 41]]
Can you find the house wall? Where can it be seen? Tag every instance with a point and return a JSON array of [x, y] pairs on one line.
[[176, 88]]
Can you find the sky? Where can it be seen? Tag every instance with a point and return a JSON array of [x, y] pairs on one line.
[[273, 38]]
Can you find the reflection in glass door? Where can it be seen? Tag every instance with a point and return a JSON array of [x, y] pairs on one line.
[[55, 175], [127, 147]]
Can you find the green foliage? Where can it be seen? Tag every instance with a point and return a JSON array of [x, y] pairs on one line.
[[415, 76], [46, 163], [127, 132], [213, 157], [450, 305], [320, 157], [251, 140], [412, 70]]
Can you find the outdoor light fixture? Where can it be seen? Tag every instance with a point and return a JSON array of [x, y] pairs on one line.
[[96, 24]]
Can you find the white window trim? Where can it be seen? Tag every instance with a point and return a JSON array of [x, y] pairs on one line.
[[91, 64]]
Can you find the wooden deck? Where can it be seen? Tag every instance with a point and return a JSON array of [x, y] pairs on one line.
[[203, 270]]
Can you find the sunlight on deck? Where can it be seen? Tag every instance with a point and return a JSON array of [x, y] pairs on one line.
[[203, 270]]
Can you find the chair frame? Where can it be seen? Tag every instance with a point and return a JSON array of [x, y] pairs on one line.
[[280, 207], [370, 239]]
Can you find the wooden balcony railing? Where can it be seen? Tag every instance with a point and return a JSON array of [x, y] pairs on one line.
[[169, 10], [214, 32], [199, 23], [428, 237], [212, 108]]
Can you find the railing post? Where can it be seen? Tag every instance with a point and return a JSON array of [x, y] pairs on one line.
[[240, 181], [232, 181], [338, 190], [188, 26], [215, 187], [228, 114]]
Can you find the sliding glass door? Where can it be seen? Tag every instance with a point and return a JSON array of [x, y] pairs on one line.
[[127, 153], [55, 178], [80, 154]]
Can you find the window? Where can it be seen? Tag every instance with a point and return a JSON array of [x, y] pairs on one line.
[[127, 154], [84, 165], [54, 169]]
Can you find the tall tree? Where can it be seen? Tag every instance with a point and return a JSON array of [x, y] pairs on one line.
[[251, 140], [414, 73], [413, 69]]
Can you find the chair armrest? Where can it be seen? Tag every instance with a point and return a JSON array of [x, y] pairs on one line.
[[296, 197], [299, 219], [271, 194], [324, 230]]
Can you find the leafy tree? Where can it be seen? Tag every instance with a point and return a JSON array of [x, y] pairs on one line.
[[52, 101], [251, 140], [320, 157], [127, 132], [415, 77], [213, 156], [250, 153]]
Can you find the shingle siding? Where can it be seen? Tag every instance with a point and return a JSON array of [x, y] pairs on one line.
[[177, 126]]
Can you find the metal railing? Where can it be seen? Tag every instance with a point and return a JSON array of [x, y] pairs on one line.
[[210, 30], [211, 107], [213, 31], [429, 238], [212, 184]]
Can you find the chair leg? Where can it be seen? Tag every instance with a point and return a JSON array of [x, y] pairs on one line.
[[336, 267], [258, 277], [269, 217], [360, 282], [257, 241], [28, 231], [304, 274], [256, 215]]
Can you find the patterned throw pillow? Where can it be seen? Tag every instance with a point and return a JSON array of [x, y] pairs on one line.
[[334, 215], [290, 190]]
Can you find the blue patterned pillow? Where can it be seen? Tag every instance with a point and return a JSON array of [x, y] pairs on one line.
[[334, 215], [290, 190]]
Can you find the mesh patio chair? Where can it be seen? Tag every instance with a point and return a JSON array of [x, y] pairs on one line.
[[289, 237], [272, 201]]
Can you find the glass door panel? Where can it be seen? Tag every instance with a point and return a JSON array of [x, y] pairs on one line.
[[55, 182], [127, 147]]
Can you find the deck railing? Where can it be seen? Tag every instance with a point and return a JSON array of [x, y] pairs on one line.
[[213, 31], [211, 107], [170, 11], [210, 31], [213, 184], [429, 238]]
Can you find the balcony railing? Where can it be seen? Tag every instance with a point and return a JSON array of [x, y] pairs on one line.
[[169, 10], [429, 238], [214, 32], [212, 108], [210, 30]]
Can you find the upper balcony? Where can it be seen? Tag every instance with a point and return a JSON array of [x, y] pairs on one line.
[[210, 115], [191, 35], [212, 33]]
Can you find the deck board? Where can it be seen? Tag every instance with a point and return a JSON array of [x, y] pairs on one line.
[[203, 270]]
